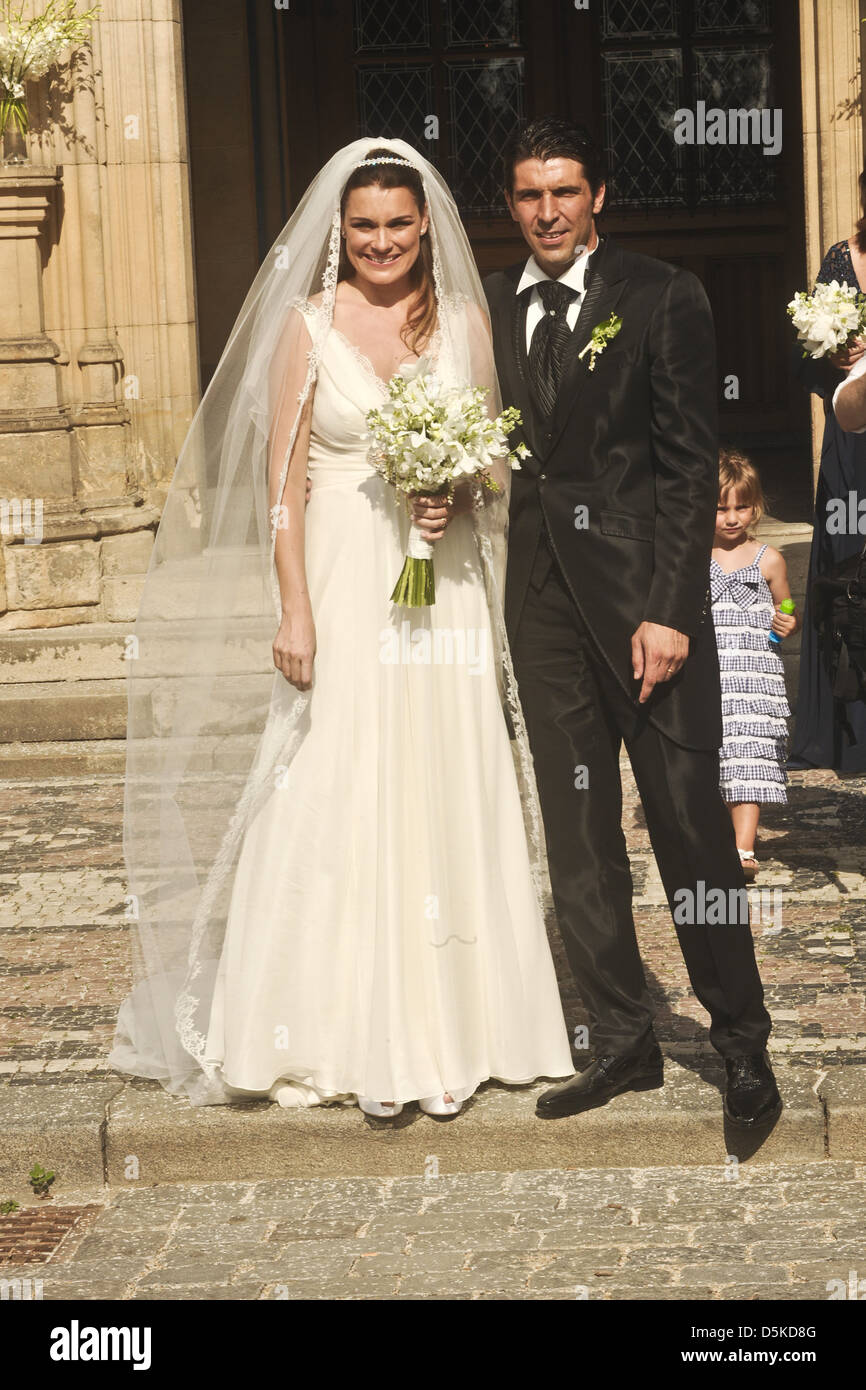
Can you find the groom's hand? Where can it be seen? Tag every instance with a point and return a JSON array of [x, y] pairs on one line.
[[657, 653]]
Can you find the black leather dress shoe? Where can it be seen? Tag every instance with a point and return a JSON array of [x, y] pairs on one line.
[[604, 1078], [751, 1095]]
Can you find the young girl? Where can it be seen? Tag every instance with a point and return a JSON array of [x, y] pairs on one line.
[[748, 582]]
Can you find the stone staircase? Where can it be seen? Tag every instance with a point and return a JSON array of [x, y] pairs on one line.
[[63, 700], [63, 689]]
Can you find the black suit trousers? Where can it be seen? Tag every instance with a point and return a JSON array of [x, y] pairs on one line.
[[578, 717]]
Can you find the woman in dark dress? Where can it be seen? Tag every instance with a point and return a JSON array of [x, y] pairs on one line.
[[819, 739]]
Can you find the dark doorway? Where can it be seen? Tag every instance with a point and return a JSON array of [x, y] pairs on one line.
[[282, 89]]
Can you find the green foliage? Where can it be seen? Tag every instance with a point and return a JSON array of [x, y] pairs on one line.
[[41, 1180]]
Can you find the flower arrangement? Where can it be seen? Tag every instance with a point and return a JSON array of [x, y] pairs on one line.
[[427, 438], [29, 47], [828, 318], [602, 334]]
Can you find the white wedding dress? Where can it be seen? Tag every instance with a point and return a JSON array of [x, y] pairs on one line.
[[384, 937]]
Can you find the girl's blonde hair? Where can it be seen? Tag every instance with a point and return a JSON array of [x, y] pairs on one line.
[[738, 475]]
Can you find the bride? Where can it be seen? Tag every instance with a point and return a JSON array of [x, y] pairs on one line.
[[360, 920]]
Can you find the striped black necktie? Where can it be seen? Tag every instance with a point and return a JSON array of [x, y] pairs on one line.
[[549, 341]]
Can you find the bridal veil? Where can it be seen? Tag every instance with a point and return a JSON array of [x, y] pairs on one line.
[[209, 725]]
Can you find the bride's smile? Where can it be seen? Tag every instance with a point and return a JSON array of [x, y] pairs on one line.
[[382, 229]]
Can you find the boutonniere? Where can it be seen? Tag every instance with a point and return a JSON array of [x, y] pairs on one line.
[[602, 334]]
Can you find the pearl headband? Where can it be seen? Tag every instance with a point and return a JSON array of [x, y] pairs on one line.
[[386, 159]]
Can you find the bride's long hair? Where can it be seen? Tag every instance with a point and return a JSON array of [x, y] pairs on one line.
[[421, 320]]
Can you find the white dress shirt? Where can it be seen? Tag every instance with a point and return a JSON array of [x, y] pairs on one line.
[[857, 370], [573, 277]]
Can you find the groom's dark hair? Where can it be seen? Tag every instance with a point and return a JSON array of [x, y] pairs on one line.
[[552, 137]]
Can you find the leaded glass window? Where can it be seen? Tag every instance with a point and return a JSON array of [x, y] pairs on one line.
[[393, 102], [474, 23], [641, 94], [735, 80], [391, 24], [731, 16], [722, 57], [448, 76], [639, 19], [486, 102]]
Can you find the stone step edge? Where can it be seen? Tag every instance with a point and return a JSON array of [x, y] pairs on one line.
[[103, 1133], [28, 692], [40, 761]]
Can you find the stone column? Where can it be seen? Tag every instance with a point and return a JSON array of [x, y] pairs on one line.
[[832, 136], [38, 469], [32, 418], [147, 226], [115, 274], [120, 290], [100, 417]]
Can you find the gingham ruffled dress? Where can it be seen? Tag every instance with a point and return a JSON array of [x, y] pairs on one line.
[[754, 702]]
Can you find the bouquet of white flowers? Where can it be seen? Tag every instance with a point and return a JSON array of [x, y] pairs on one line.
[[426, 439], [29, 47], [828, 318]]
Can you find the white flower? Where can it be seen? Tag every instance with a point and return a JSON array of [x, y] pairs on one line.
[[430, 434], [410, 370], [828, 317], [29, 48]]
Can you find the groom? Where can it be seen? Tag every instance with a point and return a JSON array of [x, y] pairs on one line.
[[610, 357]]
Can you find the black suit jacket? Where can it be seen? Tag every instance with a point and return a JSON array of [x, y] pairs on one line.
[[634, 442]]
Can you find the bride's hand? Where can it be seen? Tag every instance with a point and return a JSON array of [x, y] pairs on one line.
[[431, 514], [295, 647]]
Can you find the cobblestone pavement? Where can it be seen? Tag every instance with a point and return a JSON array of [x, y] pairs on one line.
[[720, 1233], [64, 951], [663, 1233]]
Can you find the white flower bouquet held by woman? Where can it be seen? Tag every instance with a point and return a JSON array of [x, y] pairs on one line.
[[428, 438], [829, 318]]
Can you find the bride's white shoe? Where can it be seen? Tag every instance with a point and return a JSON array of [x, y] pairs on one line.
[[438, 1105], [294, 1095], [378, 1108]]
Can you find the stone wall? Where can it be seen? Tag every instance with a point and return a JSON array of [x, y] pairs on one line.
[[98, 359]]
